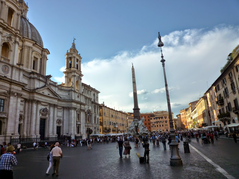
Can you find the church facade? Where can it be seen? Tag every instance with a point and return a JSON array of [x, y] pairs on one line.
[[31, 104]]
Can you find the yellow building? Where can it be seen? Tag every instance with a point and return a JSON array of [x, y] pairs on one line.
[[189, 116], [212, 105], [203, 118], [112, 121], [184, 118]]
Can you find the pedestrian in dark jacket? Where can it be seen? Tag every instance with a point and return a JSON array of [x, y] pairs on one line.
[[234, 137], [146, 151]]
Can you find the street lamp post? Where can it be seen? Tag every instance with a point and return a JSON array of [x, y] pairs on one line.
[[175, 159]]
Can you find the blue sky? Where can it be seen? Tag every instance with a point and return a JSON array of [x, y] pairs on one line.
[[112, 34]]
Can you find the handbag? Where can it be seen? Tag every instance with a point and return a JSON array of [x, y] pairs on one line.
[[48, 157]]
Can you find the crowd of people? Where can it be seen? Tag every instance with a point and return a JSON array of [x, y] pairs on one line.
[[7, 151]]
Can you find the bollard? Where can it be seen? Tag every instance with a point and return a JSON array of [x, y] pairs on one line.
[[186, 147]]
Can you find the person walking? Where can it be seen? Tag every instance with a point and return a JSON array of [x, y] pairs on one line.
[[34, 145], [18, 147], [89, 144], [234, 137], [127, 148], [163, 141], [120, 146], [146, 151], [50, 160], [7, 161], [57, 155]]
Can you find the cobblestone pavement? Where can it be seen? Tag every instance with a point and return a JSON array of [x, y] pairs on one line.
[[104, 162]]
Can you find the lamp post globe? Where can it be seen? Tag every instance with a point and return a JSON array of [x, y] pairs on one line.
[[175, 159]]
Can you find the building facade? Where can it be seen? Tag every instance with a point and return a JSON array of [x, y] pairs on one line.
[[112, 121], [147, 120], [31, 104], [160, 121], [227, 90]]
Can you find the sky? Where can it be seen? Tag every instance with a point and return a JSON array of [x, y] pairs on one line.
[[111, 35]]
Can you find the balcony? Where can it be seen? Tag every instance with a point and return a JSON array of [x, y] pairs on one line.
[[235, 110], [220, 102], [224, 116]]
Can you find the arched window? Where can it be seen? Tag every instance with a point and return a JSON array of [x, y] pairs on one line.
[[77, 64], [10, 16], [34, 63], [77, 85], [70, 64], [5, 50], [0, 127]]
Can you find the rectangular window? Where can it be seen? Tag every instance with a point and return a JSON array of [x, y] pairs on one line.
[[233, 87], [229, 106], [237, 68], [1, 105], [34, 64], [223, 110], [236, 104]]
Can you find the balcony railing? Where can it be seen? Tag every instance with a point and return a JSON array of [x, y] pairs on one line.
[[224, 116], [220, 102], [236, 110]]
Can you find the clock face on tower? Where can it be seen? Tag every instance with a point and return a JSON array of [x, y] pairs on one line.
[[5, 69]]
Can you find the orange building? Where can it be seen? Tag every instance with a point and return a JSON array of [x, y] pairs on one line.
[[147, 120]]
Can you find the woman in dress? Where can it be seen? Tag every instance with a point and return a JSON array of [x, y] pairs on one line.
[[127, 147]]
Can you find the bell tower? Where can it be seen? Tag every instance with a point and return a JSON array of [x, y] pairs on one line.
[[73, 75]]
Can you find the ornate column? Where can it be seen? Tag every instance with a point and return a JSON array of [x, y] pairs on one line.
[[52, 122], [83, 119], [17, 117], [71, 122], [37, 120], [33, 119], [26, 118], [1, 41], [12, 114], [15, 54]]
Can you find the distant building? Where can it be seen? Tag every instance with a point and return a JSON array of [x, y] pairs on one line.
[[160, 121], [147, 120], [184, 118], [112, 121]]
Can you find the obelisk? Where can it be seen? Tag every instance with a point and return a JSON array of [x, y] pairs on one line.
[[136, 108]]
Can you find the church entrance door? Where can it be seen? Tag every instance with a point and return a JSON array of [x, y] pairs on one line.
[[42, 128], [58, 131]]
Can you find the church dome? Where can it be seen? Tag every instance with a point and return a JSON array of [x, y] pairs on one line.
[[27, 30]]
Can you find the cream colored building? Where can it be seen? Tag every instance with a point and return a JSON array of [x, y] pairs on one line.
[[212, 106], [188, 111], [160, 121], [112, 121], [31, 104], [203, 118], [227, 90]]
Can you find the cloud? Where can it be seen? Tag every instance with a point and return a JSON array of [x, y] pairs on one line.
[[139, 92], [193, 57]]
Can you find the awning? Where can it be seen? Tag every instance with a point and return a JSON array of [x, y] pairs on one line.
[[209, 127], [97, 135], [232, 125]]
